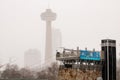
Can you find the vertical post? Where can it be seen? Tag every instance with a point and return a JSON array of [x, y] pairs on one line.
[[107, 60]]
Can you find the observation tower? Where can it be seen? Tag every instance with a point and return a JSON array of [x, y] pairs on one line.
[[48, 16]]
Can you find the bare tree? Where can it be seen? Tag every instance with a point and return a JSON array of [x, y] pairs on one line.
[[26, 73], [11, 72], [50, 72]]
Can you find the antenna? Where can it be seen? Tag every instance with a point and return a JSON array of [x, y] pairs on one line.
[[48, 4]]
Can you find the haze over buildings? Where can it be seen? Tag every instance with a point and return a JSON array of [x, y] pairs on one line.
[[82, 23], [32, 58]]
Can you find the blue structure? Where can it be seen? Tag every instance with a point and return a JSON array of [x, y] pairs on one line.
[[89, 55]]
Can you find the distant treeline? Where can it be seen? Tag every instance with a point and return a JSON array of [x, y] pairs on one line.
[[12, 72]]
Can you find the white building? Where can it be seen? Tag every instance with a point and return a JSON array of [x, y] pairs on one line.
[[56, 41], [32, 58]]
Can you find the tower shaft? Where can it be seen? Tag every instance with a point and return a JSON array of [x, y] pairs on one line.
[[48, 47]]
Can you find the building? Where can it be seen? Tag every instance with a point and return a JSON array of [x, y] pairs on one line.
[[79, 64], [56, 41], [109, 66], [32, 58], [88, 65]]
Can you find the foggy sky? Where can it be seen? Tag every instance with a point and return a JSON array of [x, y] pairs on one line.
[[83, 23]]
